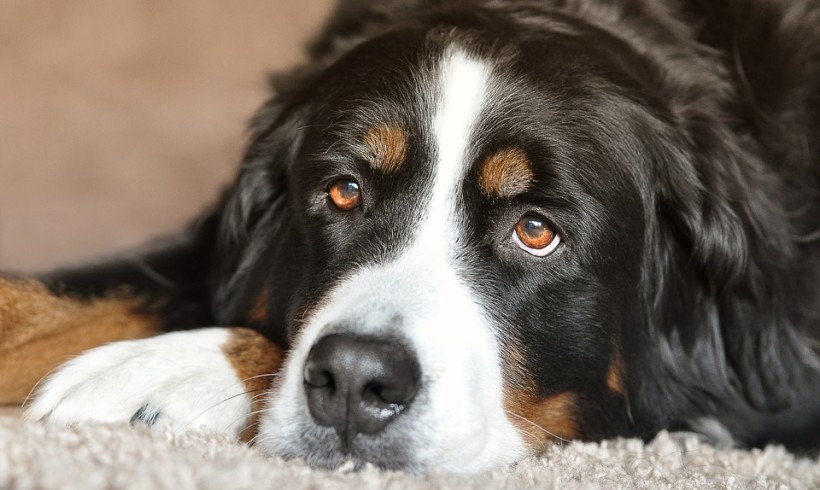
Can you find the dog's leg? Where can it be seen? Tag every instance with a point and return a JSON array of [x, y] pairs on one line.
[[46, 320], [211, 379], [40, 330], [199, 379]]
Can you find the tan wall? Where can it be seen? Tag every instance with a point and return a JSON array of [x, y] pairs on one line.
[[120, 119]]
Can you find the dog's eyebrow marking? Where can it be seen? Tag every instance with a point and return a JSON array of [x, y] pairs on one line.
[[506, 173], [388, 146]]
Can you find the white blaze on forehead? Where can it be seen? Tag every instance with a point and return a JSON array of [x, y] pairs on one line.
[[462, 90]]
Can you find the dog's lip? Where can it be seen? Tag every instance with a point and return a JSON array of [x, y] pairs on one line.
[[350, 461]]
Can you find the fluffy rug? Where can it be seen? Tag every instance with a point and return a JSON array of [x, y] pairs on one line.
[[97, 457]]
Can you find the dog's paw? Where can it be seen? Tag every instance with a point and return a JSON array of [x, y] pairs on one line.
[[179, 381]]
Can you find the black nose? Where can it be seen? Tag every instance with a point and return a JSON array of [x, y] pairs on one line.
[[359, 384]]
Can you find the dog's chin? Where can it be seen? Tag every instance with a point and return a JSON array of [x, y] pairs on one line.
[[402, 446], [321, 448]]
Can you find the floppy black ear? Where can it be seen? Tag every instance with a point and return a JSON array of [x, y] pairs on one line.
[[722, 316], [256, 203]]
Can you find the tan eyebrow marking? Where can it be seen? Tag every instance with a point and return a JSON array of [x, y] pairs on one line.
[[389, 146], [506, 173]]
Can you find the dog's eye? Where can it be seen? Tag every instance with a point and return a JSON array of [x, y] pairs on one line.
[[535, 236], [344, 194]]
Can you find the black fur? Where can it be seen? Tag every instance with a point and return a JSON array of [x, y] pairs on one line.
[[678, 144]]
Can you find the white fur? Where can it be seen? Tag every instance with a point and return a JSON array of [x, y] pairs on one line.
[[461, 425], [183, 376]]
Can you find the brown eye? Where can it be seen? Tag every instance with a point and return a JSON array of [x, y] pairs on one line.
[[533, 235], [344, 194]]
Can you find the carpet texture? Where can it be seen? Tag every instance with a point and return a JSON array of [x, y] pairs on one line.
[[104, 457]]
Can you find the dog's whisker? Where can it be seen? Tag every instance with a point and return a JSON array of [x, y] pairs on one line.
[[153, 274], [249, 417], [28, 398], [258, 376], [808, 237], [255, 440], [551, 434], [259, 395], [531, 435], [256, 437], [266, 375], [181, 429]]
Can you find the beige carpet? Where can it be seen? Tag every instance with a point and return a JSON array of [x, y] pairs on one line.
[[104, 457]]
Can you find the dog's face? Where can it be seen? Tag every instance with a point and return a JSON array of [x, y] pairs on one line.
[[450, 234]]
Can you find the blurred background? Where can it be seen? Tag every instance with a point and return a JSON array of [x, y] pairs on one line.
[[121, 119]]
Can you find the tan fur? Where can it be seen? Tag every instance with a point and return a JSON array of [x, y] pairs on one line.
[[259, 312], [388, 144], [255, 359], [543, 419], [540, 420], [615, 376], [39, 331], [506, 173]]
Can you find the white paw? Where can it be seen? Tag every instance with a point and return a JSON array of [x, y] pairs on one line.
[[180, 381]]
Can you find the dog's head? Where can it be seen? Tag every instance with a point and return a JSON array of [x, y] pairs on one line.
[[479, 232]]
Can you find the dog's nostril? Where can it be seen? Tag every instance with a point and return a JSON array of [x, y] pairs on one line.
[[359, 384], [398, 393], [372, 393], [317, 377], [380, 396]]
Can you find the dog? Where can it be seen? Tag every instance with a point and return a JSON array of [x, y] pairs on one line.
[[468, 229]]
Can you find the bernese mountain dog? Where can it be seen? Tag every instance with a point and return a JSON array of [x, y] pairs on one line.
[[467, 229]]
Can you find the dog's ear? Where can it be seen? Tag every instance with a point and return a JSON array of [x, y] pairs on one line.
[[720, 316], [257, 201]]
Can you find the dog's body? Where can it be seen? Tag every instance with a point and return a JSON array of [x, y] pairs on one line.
[[469, 228]]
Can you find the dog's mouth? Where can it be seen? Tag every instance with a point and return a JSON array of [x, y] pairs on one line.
[[360, 455], [323, 448]]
